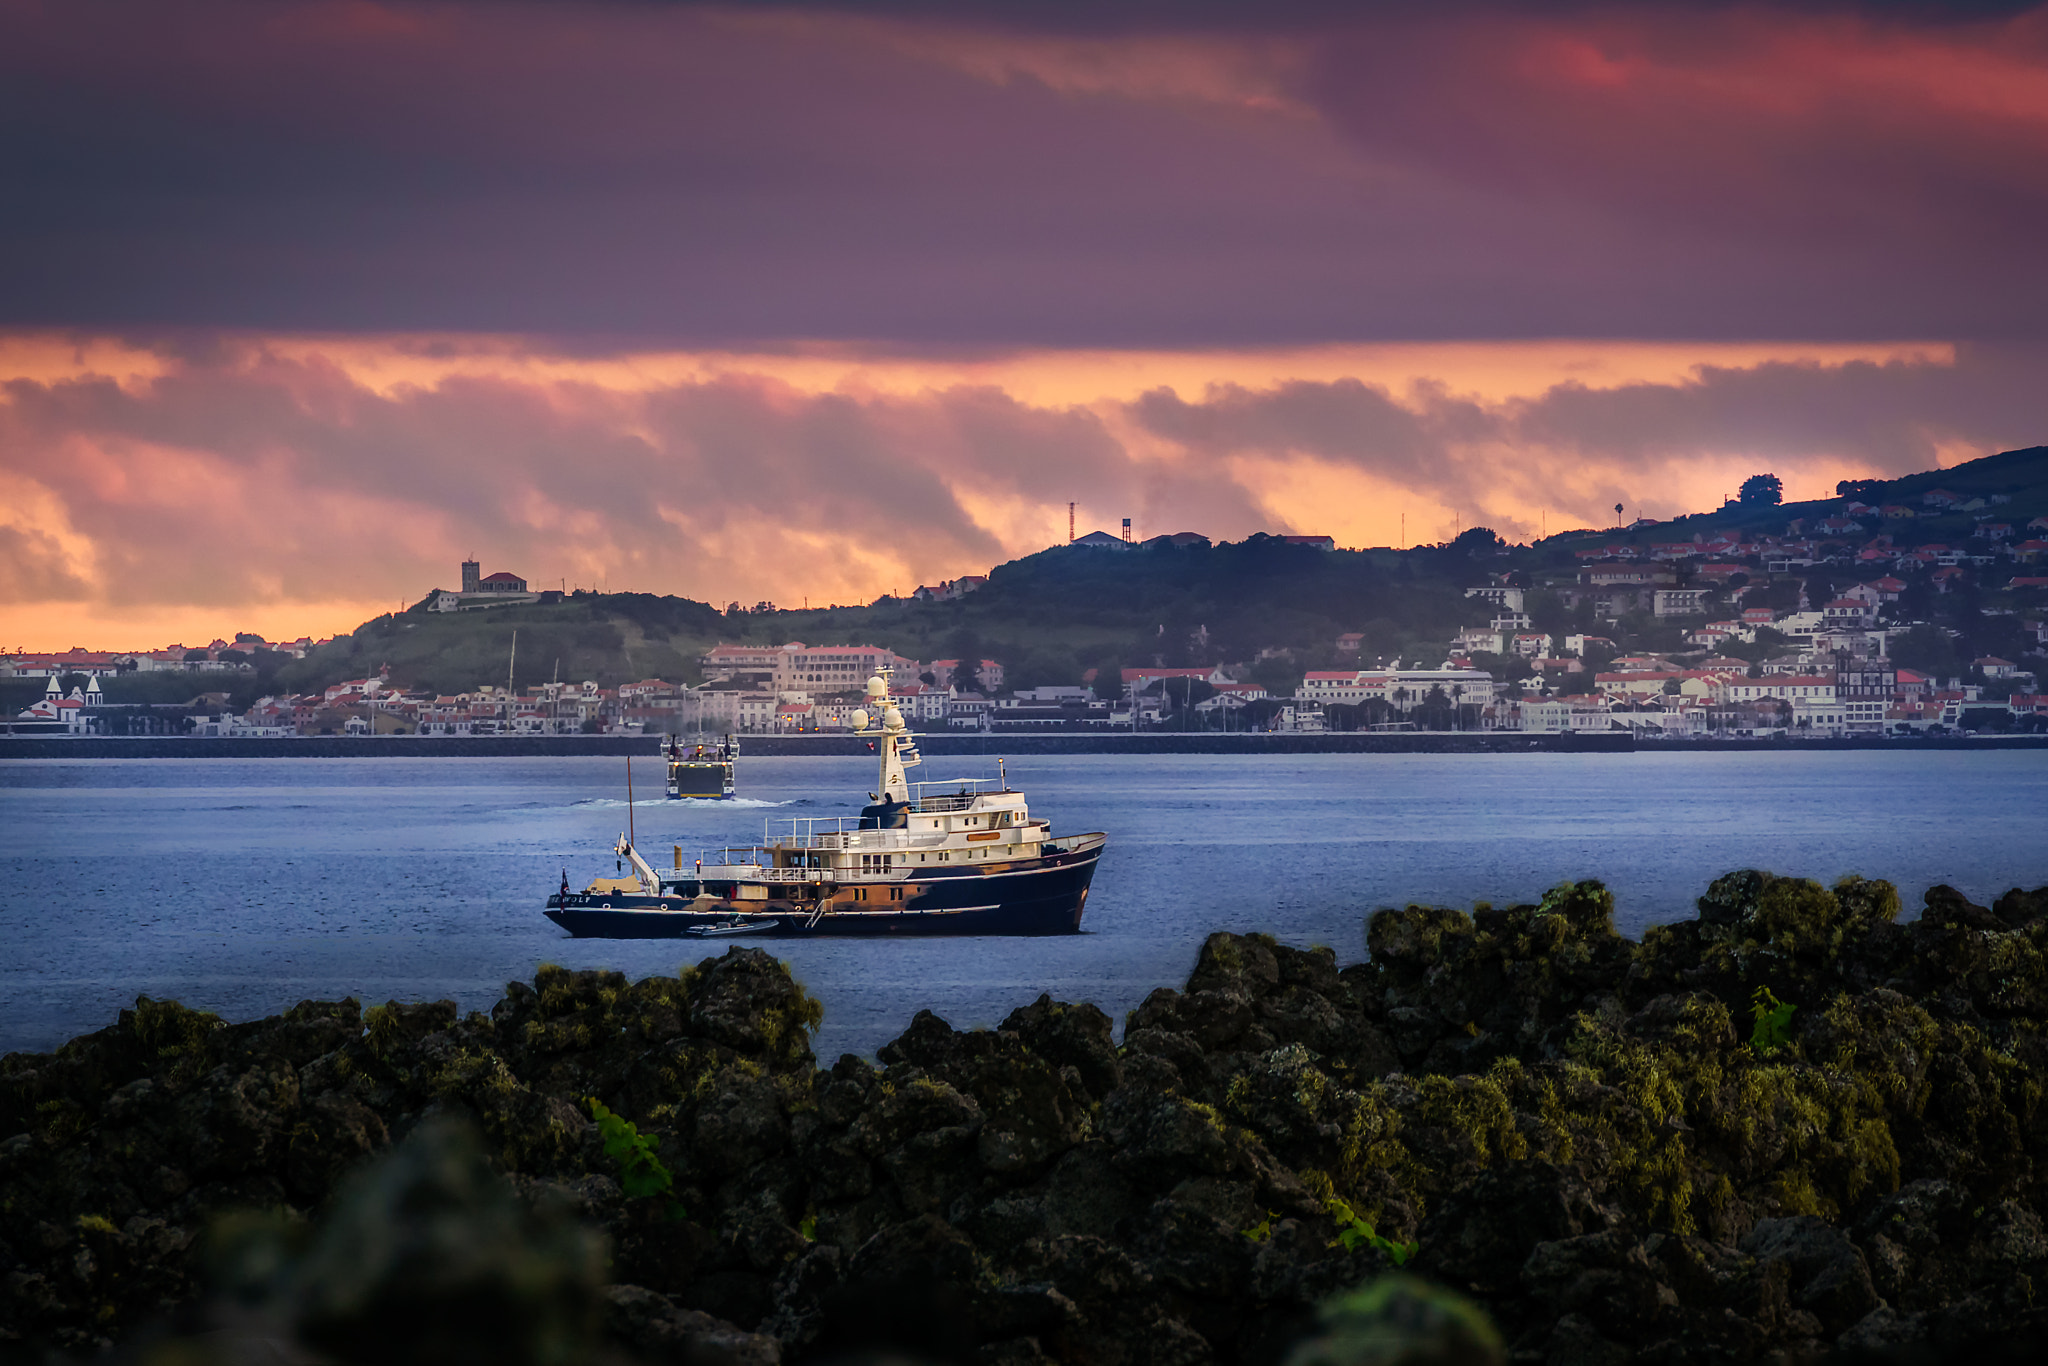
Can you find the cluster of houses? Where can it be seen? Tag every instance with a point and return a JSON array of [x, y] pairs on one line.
[[1870, 537], [222, 656], [1824, 669], [58, 712], [1651, 695], [779, 689]]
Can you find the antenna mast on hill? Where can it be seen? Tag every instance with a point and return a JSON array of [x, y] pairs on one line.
[[1070, 524]]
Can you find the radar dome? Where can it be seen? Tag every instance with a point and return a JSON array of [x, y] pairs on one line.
[[893, 719], [876, 687], [859, 719]]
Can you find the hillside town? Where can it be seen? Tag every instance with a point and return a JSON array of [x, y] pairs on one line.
[[1815, 631]]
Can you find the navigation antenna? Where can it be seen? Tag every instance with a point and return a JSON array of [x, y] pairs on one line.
[[509, 662]]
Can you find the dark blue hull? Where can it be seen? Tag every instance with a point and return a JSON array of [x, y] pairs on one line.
[[1041, 896]]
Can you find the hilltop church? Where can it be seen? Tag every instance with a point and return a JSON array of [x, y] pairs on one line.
[[485, 590]]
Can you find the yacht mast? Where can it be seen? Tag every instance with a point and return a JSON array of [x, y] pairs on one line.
[[897, 751]]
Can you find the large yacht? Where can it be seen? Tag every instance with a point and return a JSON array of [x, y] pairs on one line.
[[961, 857]]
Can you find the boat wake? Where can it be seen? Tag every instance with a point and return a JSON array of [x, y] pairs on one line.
[[707, 803]]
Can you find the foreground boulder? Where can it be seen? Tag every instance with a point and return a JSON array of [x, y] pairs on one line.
[[1790, 1127]]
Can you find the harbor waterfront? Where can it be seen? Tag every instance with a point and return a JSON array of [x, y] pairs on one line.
[[242, 886]]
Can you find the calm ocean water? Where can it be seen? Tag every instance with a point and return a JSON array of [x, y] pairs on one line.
[[245, 886]]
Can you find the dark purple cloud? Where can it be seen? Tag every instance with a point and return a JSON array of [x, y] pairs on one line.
[[1177, 177]]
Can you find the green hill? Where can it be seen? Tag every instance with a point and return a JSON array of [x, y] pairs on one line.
[[1048, 617], [2021, 476], [1053, 615]]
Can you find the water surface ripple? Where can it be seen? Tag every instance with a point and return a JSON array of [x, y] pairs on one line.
[[243, 886]]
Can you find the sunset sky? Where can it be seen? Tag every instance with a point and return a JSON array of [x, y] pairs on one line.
[[302, 301]]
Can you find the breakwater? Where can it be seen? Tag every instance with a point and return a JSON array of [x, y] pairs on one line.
[[945, 745], [941, 744], [1789, 1125]]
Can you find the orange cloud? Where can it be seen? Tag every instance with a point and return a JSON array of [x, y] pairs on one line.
[[298, 484]]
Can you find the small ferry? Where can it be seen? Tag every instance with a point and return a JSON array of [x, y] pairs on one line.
[[962, 857], [700, 770]]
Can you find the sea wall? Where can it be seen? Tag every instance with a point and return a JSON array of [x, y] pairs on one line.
[[471, 746], [1789, 1127], [944, 745]]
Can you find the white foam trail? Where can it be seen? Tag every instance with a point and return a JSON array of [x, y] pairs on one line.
[[704, 803]]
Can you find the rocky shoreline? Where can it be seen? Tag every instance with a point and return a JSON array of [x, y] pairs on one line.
[[1790, 1128]]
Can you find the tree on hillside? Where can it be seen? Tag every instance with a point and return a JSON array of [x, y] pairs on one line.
[[967, 649], [1479, 540], [1780, 595], [1278, 675], [1762, 490], [1928, 650], [1857, 488]]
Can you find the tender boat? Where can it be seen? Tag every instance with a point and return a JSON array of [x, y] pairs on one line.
[[700, 770], [964, 857], [718, 928]]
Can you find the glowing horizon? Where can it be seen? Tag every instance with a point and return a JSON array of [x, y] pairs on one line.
[[123, 448]]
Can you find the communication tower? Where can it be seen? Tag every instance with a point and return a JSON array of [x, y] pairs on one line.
[[1127, 531], [1070, 524]]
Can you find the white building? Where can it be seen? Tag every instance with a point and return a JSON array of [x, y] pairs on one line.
[[1680, 602]]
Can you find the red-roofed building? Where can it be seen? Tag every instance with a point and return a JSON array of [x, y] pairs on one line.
[[91, 663], [1847, 614], [947, 590], [1696, 683], [501, 589], [1780, 687]]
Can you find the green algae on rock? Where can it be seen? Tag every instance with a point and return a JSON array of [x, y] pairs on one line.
[[1603, 1144]]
